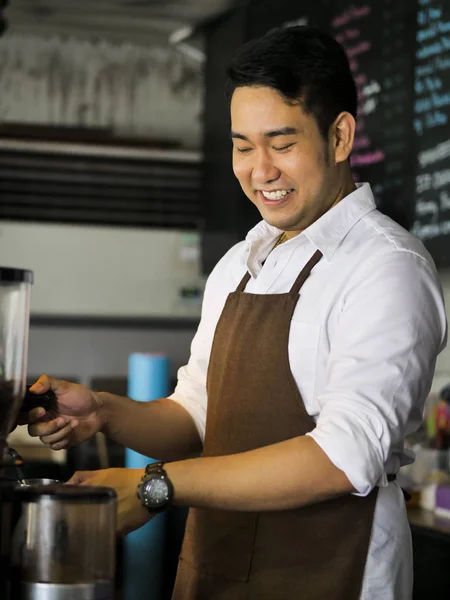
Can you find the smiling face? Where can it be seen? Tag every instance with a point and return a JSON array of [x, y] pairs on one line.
[[282, 162]]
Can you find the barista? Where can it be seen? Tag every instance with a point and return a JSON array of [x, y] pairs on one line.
[[312, 362]]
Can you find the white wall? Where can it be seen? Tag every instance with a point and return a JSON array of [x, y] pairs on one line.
[[91, 271], [153, 92], [84, 272]]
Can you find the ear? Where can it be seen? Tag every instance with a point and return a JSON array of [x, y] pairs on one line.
[[343, 130]]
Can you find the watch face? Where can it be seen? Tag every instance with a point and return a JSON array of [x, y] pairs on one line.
[[156, 491]]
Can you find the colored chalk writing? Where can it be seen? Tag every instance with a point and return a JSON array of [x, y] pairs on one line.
[[376, 39], [432, 126]]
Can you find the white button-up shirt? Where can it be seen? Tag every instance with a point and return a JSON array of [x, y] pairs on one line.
[[364, 337]]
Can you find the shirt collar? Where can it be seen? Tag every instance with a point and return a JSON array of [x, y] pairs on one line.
[[326, 234]]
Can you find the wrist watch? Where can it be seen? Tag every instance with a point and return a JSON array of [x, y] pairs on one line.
[[155, 490]]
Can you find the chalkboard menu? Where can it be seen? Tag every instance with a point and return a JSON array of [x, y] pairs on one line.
[[432, 127], [399, 53], [377, 37]]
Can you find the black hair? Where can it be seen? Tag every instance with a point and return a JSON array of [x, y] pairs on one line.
[[305, 65]]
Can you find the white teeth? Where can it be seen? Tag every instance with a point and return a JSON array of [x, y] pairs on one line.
[[277, 195]]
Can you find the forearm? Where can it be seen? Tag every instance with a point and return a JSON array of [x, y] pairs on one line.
[[286, 475], [161, 429]]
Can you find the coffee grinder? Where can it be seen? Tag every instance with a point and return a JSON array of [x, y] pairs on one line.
[[57, 542], [15, 288]]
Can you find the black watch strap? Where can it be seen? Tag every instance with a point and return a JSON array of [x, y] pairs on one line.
[[156, 467]]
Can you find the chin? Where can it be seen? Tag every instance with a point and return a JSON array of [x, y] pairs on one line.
[[283, 224]]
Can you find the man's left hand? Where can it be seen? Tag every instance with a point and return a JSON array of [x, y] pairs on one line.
[[130, 513]]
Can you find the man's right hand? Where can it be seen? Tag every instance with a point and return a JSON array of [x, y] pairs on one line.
[[76, 417]]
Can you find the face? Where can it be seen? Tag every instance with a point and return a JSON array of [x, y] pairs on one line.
[[284, 165]]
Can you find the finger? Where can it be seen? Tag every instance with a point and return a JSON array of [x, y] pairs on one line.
[[43, 384], [34, 415], [41, 428], [46, 383], [61, 445], [65, 442], [58, 436], [80, 477], [44, 428]]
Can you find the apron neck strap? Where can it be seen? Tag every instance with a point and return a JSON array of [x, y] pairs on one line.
[[312, 262], [298, 282], [244, 281]]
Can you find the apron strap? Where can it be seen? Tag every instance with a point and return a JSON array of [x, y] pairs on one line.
[[244, 281], [312, 262], [298, 282]]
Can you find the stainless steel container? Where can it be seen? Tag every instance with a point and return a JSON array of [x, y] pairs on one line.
[[63, 543], [38, 481]]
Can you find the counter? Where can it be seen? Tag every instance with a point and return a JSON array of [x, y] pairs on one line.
[[427, 521]]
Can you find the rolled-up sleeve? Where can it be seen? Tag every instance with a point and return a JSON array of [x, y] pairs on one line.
[[391, 327], [190, 393]]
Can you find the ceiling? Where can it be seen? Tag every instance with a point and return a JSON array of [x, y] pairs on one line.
[[140, 21]]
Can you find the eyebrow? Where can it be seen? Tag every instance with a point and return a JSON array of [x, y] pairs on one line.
[[268, 134]]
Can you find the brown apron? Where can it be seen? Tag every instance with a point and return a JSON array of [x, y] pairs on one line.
[[313, 553]]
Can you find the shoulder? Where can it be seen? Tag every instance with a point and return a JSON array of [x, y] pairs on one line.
[[383, 235], [377, 247], [381, 258], [393, 274]]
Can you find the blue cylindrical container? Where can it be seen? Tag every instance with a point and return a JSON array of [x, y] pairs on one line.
[[148, 379]]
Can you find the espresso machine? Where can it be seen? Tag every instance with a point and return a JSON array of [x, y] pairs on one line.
[[57, 541]]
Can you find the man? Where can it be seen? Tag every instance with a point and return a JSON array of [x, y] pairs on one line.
[[312, 362]]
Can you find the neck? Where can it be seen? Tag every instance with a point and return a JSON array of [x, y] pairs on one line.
[[347, 188], [347, 184]]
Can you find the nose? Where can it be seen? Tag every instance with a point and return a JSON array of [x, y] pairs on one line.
[[264, 169]]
